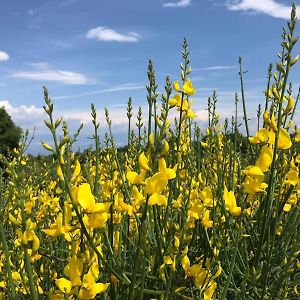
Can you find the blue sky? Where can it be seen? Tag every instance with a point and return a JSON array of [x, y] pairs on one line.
[[97, 51]]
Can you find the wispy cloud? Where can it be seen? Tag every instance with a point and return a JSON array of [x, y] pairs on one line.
[[268, 7], [43, 72], [106, 34], [117, 88], [181, 3], [4, 56], [214, 68]]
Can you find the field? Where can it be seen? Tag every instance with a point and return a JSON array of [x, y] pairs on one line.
[[181, 212]]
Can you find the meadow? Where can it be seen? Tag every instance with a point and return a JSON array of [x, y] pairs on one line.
[[181, 212]]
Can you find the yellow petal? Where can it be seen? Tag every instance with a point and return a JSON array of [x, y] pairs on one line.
[[64, 285], [85, 197], [284, 139], [132, 177], [77, 170], [185, 263]]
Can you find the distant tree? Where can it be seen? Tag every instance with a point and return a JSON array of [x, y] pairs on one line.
[[10, 134]]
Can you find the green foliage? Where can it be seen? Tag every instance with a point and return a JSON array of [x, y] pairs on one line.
[[10, 134]]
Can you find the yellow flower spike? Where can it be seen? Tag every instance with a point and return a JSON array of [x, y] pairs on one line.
[[176, 86], [64, 285], [284, 139], [188, 88], [265, 158], [230, 203], [143, 162]]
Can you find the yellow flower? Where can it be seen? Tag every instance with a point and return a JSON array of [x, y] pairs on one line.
[[209, 291], [265, 158], [89, 287], [206, 221], [168, 172], [292, 178], [230, 203], [191, 114], [143, 162], [188, 88], [176, 86], [254, 184], [74, 270], [57, 228], [206, 196], [86, 200], [261, 136]]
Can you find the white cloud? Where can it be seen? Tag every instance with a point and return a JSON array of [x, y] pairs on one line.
[[43, 73], [3, 56], [22, 112], [117, 88], [268, 7], [181, 3], [106, 34], [214, 68]]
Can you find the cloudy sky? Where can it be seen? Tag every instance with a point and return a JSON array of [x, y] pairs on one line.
[[97, 51]]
